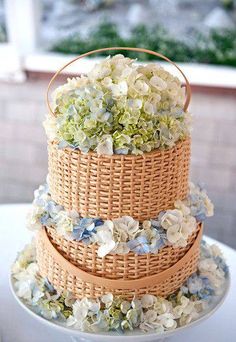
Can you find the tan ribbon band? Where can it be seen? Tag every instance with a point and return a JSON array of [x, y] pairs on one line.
[[150, 52], [119, 283]]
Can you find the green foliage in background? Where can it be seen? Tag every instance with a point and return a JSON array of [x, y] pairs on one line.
[[3, 37], [227, 4], [218, 47]]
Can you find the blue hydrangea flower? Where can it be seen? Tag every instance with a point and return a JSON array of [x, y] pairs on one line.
[[98, 222], [139, 245], [197, 207], [200, 286], [156, 223], [161, 232], [53, 208], [221, 264], [206, 292], [85, 227], [45, 219], [63, 144], [199, 203], [48, 285], [159, 243], [43, 189], [205, 252]]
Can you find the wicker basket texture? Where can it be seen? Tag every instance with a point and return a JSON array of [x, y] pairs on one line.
[[170, 267], [113, 186]]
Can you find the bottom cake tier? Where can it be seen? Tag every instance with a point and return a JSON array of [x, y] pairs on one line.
[[75, 267], [149, 313]]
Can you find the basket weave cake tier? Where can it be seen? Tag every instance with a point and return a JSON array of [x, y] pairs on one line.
[[75, 267], [114, 186]]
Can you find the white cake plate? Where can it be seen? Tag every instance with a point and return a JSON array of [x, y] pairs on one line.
[[135, 335]]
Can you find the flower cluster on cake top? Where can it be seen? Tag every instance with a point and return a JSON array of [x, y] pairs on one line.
[[122, 235], [119, 107], [148, 313]]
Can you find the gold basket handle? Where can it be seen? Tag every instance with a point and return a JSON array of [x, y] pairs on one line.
[[119, 283], [150, 52]]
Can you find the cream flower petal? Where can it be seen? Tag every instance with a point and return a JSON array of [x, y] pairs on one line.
[[106, 248], [173, 235], [105, 146]]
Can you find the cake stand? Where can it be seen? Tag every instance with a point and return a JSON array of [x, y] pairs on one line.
[[78, 336]]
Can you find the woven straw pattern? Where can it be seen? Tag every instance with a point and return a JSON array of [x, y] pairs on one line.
[[113, 186], [125, 267]]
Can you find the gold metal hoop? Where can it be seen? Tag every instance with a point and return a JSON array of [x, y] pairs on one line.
[[187, 85]]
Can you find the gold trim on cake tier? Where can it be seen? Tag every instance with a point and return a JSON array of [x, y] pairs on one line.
[[110, 187], [75, 267]]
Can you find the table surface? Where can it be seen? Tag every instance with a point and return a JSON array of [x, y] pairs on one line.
[[17, 325]]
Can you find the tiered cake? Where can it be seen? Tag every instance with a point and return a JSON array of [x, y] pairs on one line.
[[118, 218], [110, 187]]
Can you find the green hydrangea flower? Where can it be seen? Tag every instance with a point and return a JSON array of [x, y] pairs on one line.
[[140, 108]]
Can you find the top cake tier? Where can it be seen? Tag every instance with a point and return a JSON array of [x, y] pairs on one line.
[[119, 141], [109, 187]]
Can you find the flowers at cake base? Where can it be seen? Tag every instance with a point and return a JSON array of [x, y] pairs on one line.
[[110, 313]]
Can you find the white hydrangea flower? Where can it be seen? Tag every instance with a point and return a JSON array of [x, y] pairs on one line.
[[207, 265], [50, 126], [199, 201], [178, 226], [136, 304], [126, 226], [33, 217], [149, 108], [104, 237], [150, 316], [105, 146], [195, 285], [162, 306], [41, 194], [107, 299], [125, 306], [215, 250], [25, 279], [100, 71], [158, 83], [141, 87], [64, 222], [188, 226], [209, 206], [174, 235], [146, 224], [171, 218], [135, 104], [121, 248], [146, 327], [148, 300], [132, 316], [187, 311], [70, 299], [80, 309], [119, 89], [208, 268], [182, 207]]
